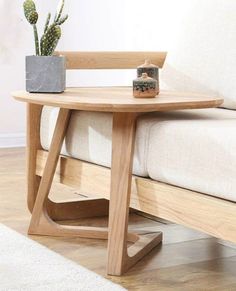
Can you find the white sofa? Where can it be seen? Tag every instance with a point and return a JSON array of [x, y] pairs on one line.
[[193, 149]]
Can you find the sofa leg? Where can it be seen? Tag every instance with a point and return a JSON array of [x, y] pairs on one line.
[[119, 260]]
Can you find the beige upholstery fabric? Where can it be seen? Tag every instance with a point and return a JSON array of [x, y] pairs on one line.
[[89, 137], [194, 149]]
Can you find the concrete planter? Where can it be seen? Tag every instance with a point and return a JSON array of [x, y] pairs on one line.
[[45, 74]]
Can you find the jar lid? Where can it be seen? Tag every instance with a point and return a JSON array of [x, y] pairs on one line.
[[145, 78], [147, 64]]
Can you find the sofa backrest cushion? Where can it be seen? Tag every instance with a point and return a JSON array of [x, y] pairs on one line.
[[204, 57]]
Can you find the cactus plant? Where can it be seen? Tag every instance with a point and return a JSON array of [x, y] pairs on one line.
[[50, 40], [47, 22], [32, 17], [52, 32]]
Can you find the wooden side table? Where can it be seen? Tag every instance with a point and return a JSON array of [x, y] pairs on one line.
[[125, 109]]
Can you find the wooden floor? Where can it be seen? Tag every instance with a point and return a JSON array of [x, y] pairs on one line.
[[187, 260]]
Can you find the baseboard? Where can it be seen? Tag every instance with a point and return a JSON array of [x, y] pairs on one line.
[[12, 140]]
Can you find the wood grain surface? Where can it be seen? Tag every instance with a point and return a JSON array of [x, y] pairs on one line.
[[110, 60], [119, 99]]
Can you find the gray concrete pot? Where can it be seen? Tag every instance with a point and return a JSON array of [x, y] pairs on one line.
[[45, 74]]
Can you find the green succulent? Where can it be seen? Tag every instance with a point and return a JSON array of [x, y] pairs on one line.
[[52, 33], [29, 7], [62, 20], [47, 22], [33, 17], [50, 40]]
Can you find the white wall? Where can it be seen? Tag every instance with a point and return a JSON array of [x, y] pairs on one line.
[[92, 25], [123, 25], [15, 43]]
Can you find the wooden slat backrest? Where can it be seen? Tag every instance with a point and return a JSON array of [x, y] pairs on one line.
[[110, 60]]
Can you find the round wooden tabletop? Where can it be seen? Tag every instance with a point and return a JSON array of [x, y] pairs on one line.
[[118, 99]]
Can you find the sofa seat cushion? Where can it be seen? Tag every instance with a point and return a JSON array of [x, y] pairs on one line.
[[195, 149], [89, 137]]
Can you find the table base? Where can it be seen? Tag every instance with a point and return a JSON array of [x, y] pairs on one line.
[[120, 257]]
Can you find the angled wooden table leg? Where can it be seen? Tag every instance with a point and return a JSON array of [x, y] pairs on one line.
[[49, 171], [57, 211], [41, 223], [119, 260]]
